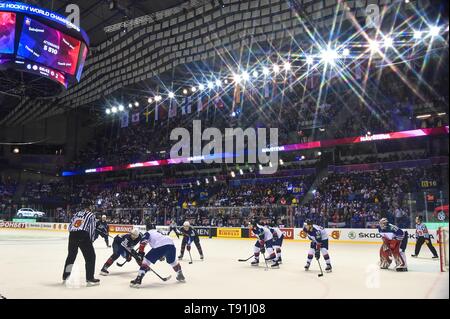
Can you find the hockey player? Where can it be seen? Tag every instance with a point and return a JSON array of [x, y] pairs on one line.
[[173, 227], [319, 243], [189, 235], [422, 236], [123, 245], [394, 244], [264, 240], [162, 247], [102, 229], [278, 237]]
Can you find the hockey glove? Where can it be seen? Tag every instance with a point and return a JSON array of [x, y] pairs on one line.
[[317, 254]]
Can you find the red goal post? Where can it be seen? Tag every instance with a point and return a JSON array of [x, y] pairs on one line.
[[443, 247]]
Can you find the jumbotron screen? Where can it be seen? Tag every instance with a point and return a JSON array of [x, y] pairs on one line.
[[48, 46], [38, 41], [7, 32]]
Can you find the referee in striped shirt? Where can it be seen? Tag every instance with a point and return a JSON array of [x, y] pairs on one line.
[[82, 235], [422, 237]]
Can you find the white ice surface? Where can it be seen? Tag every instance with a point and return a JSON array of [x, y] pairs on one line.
[[31, 265]]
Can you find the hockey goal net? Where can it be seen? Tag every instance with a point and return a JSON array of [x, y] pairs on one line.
[[443, 247]]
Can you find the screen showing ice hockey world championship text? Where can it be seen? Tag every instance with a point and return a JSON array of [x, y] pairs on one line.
[[48, 46], [7, 32]]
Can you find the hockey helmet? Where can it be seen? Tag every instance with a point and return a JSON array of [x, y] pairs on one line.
[[134, 234], [383, 222], [186, 224]]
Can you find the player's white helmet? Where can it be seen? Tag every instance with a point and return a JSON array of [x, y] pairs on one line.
[[103, 216], [134, 233], [186, 224]]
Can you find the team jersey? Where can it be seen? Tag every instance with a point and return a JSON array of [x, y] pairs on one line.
[[391, 232], [154, 239], [263, 233], [317, 234], [173, 225], [83, 221], [276, 232], [422, 231], [190, 232], [102, 226], [126, 241]]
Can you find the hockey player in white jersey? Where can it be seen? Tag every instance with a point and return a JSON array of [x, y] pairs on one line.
[[278, 237], [394, 244], [319, 243], [162, 247], [265, 241]]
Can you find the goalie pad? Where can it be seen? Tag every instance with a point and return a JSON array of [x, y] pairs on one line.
[[385, 256], [399, 257]]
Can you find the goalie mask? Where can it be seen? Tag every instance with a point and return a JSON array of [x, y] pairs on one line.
[[383, 223]]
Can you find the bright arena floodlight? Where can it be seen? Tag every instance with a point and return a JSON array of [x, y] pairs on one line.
[[150, 100], [201, 87], [185, 91], [193, 89], [121, 108], [130, 105], [434, 31], [245, 76], [218, 83], [329, 56], [236, 78], [255, 74], [388, 42], [309, 60], [171, 95], [276, 68], [210, 85], [346, 52], [136, 103], [418, 34], [108, 111], [158, 98], [374, 45], [287, 66], [265, 71], [114, 109]]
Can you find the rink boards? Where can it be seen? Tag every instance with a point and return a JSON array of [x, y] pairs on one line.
[[336, 235]]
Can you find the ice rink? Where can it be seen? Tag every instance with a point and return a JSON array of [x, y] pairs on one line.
[[31, 266]]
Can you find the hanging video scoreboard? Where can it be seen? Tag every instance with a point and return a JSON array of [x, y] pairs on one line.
[[38, 41]]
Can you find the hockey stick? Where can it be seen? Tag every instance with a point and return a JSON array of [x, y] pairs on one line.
[[121, 264], [162, 278], [190, 256], [242, 260], [265, 260], [320, 267]]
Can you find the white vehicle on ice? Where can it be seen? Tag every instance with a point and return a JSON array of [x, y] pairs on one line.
[[29, 212]]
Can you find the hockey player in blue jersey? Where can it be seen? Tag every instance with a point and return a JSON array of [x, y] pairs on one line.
[[278, 237], [394, 244], [162, 248], [123, 245], [264, 241], [319, 243], [102, 229]]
